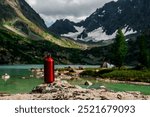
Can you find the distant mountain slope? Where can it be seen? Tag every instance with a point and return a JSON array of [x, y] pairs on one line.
[[24, 37], [64, 26], [12, 9], [15, 49], [132, 16], [17, 16], [31, 14]]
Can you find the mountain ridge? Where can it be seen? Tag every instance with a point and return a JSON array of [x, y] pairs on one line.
[[25, 39], [24, 42], [27, 23], [132, 16], [32, 15]]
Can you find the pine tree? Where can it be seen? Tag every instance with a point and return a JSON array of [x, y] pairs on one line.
[[144, 55], [119, 49]]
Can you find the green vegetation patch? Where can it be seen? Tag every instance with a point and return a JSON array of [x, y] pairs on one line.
[[129, 75], [122, 75], [15, 49], [10, 14]]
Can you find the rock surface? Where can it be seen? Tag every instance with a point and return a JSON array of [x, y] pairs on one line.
[[62, 90], [88, 83]]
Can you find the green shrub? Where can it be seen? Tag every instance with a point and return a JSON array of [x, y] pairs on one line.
[[122, 75], [129, 75]]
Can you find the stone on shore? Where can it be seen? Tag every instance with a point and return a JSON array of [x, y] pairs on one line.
[[88, 83]]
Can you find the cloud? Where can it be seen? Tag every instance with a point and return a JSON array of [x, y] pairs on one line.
[[32, 2], [75, 10]]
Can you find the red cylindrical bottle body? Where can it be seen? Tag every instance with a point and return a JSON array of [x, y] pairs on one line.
[[49, 70]]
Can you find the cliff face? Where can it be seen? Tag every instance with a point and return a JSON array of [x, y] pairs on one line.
[[31, 14], [11, 9]]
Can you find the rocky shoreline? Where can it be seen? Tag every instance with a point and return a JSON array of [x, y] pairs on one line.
[[62, 90]]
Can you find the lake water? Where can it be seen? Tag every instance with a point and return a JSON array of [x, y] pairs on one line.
[[20, 80], [41, 66], [16, 84], [25, 70]]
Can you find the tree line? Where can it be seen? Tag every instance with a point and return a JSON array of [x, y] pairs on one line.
[[120, 50]]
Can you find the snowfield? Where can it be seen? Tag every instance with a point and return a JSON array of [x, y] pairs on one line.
[[74, 35], [97, 34]]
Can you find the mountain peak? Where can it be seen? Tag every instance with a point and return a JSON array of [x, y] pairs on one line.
[[62, 26]]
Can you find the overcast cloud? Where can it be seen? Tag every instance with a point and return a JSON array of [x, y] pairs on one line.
[[75, 10]]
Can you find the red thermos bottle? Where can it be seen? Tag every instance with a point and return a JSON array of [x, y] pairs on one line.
[[49, 70]]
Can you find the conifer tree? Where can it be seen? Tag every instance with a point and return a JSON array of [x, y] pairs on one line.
[[144, 55], [119, 49]]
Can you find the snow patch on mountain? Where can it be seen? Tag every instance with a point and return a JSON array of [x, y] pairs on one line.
[[74, 35], [99, 34], [128, 31], [103, 11], [119, 10], [100, 15]]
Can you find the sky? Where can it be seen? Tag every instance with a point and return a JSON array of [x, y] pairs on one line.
[[74, 10]]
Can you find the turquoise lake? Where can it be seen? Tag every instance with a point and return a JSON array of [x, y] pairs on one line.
[[16, 83]]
